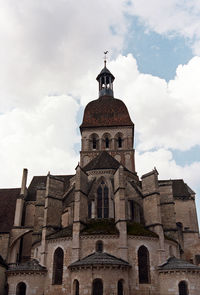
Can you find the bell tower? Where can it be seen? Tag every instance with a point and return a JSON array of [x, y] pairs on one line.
[[107, 126]]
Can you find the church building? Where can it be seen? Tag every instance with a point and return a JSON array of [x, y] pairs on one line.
[[103, 230]]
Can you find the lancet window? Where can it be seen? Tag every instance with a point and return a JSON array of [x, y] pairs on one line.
[[120, 290], [143, 265], [102, 201], [58, 266], [76, 287]]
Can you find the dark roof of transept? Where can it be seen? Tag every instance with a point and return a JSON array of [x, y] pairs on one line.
[[102, 161], [8, 199], [180, 189]]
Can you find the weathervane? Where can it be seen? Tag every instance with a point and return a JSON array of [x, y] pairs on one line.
[[105, 57]]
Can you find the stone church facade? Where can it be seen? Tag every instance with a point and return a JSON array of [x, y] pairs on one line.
[[104, 230]]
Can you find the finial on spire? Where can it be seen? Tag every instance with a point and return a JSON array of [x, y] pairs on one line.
[[105, 56]]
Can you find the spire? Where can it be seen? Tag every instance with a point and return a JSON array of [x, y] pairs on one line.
[[105, 79]]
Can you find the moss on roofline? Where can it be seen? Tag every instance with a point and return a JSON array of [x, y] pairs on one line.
[[100, 226], [137, 229]]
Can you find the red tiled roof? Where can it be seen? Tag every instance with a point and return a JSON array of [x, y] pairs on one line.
[[8, 199], [106, 111]]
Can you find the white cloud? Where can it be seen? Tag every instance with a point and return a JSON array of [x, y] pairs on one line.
[[48, 46], [41, 139], [166, 115], [168, 169], [172, 18]]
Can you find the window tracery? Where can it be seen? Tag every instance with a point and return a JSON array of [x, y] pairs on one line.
[[102, 201]]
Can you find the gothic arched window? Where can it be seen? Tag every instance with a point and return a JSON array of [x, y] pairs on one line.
[[143, 265], [120, 290], [97, 287], [21, 289], [99, 246], [76, 287], [182, 288], [58, 266], [102, 201]]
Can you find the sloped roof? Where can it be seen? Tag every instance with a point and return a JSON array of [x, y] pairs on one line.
[[174, 263], [100, 227], [64, 232], [8, 199], [31, 265], [98, 258], [102, 161], [180, 189], [106, 111], [39, 182], [105, 70]]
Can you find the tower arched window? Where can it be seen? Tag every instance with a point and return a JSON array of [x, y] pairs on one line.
[[58, 266], [119, 141], [107, 142], [94, 143], [143, 265], [21, 289], [183, 288], [102, 201], [97, 287]]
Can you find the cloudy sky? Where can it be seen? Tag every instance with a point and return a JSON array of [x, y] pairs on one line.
[[50, 54]]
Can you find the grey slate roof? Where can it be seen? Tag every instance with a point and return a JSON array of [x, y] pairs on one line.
[[180, 189], [32, 265], [65, 232], [102, 161], [174, 263], [104, 71], [8, 198], [100, 259]]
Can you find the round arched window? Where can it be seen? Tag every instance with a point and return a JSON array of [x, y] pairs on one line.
[[99, 246]]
